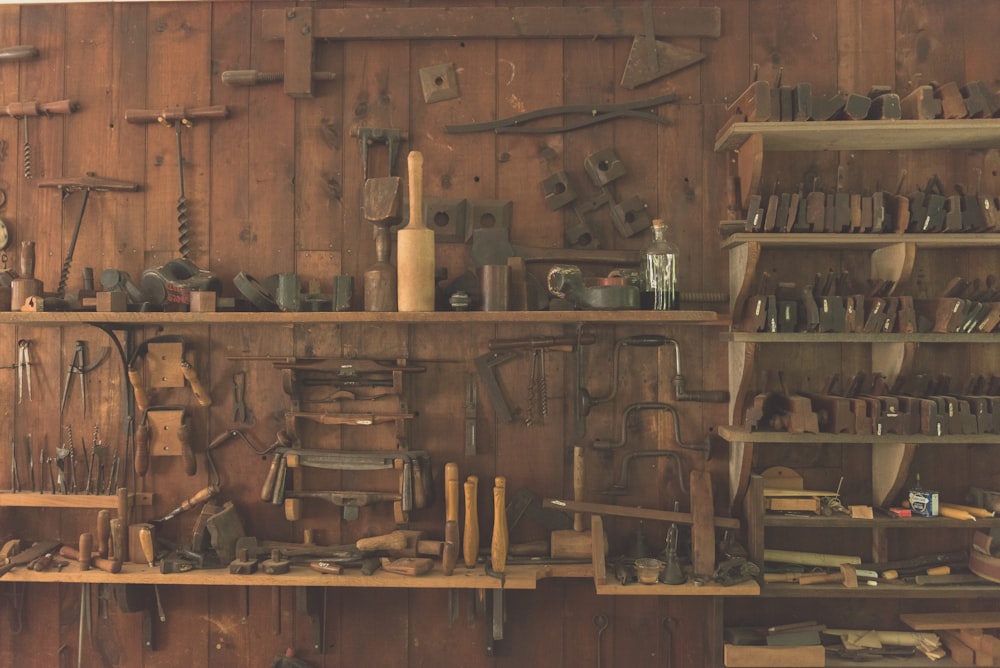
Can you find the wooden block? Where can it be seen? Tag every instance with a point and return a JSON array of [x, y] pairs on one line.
[[703, 526], [808, 505], [952, 102], [756, 656], [861, 512], [931, 621], [203, 301], [163, 365], [920, 104], [960, 652], [112, 302]]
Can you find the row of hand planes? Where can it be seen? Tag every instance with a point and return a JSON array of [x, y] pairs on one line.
[[919, 404]]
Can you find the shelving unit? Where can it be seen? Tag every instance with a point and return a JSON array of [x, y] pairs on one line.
[[891, 257]]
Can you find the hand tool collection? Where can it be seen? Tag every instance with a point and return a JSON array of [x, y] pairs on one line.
[[913, 404], [839, 303]]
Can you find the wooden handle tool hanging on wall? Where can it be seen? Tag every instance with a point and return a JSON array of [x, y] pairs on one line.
[[498, 549], [449, 554], [470, 546], [415, 248]]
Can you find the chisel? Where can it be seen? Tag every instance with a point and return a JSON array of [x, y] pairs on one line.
[[470, 548], [449, 555]]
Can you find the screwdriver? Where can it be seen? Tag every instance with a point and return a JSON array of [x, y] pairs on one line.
[[200, 496]]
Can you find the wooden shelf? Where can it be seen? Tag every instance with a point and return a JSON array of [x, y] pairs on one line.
[[38, 500], [614, 588], [63, 318], [902, 523], [846, 337], [517, 577], [739, 435], [864, 135], [882, 590], [828, 241]]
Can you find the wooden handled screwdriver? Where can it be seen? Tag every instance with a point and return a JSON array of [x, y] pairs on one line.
[[498, 549], [470, 546], [449, 554]]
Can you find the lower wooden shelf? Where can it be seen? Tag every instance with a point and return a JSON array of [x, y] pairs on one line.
[[887, 591], [689, 588], [40, 500], [517, 577]]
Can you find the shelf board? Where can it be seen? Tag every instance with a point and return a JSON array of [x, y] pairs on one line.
[[739, 435], [864, 135], [517, 577], [827, 240], [615, 588], [902, 523], [39, 500], [882, 590], [847, 337], [63, 318]]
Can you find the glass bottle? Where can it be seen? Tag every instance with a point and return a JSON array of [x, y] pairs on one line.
[[659, 272]]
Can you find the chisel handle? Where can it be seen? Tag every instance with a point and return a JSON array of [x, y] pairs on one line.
[[184, 436], [103, 531], [19, 52], [146, 543], [86, 550], [141, 446], [470, 544], [116, 548], [106, 565], [578, 482], [451, 492], [174, 114], [498, 548]]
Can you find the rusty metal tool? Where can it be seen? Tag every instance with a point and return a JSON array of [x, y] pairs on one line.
[[600, 623], [239, 398], [28, 555], [381, 208], [23, 110], [23, 369], [79, 366], [651, 59], [179, 118], [350, 501], [486, 366], [607, 444], [18, 52], [87, 184], [199, 497], [620, 487], [15, 479]]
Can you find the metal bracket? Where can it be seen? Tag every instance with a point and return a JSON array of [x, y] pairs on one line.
[[485, 366], [487, 213], [447, 217], [392, 138]]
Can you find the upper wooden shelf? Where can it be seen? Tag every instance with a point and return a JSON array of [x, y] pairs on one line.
[[864, 135], [889, 591], [827, 241], [62, 318], [862, 337]]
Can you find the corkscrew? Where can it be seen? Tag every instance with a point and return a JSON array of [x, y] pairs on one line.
[[178, 118], [87, 184], [22, 110]]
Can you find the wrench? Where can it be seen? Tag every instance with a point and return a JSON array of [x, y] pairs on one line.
[[601, 623]]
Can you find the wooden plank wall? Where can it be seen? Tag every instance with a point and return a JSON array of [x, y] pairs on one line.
[[276, 187]]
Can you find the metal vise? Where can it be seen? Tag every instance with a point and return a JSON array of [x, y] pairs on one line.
[[173, 282]]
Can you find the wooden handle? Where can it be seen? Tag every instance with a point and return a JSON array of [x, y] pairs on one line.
[[199, 389], [141, 444], [86, 550], [201, 496], [578, 480], [121, 497], [451, 492], [116, 544], [106, 565], [415, 249], [141, 396], [103, 531], [267, 491], [27, 259], [293, 509], [146, 542], [415, 167], [184, 436], [470, 546], [390, 541], [498, 549]]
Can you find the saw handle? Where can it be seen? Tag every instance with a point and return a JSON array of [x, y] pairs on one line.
[[200, 391], [141, 396], [184, 436], [141, 449]]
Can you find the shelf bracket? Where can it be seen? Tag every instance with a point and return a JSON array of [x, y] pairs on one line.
[[750, 163]]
